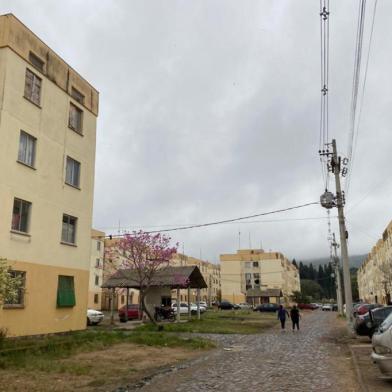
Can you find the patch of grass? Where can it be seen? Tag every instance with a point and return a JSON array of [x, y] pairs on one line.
[[221, 322], [42, 353]]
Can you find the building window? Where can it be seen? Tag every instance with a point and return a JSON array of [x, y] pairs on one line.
[[72, 172], [21, 215], [65, 291], [77, 95], [96, 280], [97, 263], [96, 298], [256, 279], [26, 153], [255, 264], [33, 87], [36, 61], [248, 281], [68, 233], [75, 118], [98, 245], [16, 300], [248, 264]]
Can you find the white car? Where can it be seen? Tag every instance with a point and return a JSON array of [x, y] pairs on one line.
[[382, 347], [94, 317], [204, 304], [184, 308], [327, 307], [244, 305]]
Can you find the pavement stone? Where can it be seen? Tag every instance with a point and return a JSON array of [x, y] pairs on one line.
[[273, 361]]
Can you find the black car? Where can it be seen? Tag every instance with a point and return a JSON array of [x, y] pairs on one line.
[[367, 324], [266, 308], [226, 305]]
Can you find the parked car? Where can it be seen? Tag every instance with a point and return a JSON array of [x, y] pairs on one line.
[[266, 308], [133, 312], [364, 308], [225, 305], [367, 324], [327, 307], [94, 317], [194, 308], [382, 347], [183, 308], [203, 303], [245, 306], [307, 306]]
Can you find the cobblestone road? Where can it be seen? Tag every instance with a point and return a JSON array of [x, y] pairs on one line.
[[305, 360]]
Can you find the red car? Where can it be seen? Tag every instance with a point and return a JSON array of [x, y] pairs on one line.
[[133, 313], [307, 306], [362, 309]]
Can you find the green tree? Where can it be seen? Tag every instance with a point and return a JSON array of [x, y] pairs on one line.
[[9, 284], [310, 288]]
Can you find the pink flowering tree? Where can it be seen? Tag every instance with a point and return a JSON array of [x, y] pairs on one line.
[[144, 254]]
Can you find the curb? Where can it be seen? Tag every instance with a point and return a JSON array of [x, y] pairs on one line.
[[361, 383]]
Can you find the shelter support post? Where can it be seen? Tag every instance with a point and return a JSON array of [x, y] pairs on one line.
[[112, 307], [178, 305], [198, 303], [127, 303], [189, 303]]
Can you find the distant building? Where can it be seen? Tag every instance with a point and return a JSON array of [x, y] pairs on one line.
[[255, 276], [48, 118], [375, 274], [96, 269], [211, 275]]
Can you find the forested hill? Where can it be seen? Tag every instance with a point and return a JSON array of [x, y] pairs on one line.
[[355, 261]]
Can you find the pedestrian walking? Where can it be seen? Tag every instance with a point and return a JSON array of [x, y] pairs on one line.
[[282, 313], [295, 316]]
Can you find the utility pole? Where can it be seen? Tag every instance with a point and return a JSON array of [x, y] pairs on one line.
[[336, 166], [337, 276], [328, 200]]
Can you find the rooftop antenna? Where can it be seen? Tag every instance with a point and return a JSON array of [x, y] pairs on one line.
[[239, 239], [250, 242]]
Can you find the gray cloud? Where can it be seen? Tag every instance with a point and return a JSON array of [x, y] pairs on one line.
[[210, 110]]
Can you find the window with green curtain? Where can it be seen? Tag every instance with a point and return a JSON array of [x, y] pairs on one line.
[[65, 291]]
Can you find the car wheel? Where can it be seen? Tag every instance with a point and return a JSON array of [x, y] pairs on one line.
[[88, 321]]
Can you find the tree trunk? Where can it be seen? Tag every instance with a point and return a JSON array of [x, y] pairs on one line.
[[145, 309]]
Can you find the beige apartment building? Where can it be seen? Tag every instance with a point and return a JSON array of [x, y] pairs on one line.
[[211, 275], [375, 274], [255, 276], [48, 116], [96, 269]]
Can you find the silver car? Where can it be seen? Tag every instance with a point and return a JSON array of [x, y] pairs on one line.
[[382, 347]]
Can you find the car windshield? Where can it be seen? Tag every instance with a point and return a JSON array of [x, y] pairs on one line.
[[386, 323]]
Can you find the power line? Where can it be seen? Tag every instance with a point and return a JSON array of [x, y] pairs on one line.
[[356, 132], [222, 221], [229, 223]]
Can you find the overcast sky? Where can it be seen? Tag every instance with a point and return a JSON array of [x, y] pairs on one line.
[[209, 110]]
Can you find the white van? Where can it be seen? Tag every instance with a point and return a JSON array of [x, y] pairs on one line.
[[382, 347]]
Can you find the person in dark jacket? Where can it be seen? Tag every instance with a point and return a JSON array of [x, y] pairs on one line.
[[295, 316], [282, 313]]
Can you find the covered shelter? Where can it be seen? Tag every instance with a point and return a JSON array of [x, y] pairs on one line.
[[160, 286], [258, 296]]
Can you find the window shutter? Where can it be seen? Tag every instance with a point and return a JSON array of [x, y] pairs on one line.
[[66, 292]]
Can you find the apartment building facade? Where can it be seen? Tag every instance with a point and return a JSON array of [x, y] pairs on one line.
[[48, 118], [211, 275], [375, 274], [96, 269], [250, 275]]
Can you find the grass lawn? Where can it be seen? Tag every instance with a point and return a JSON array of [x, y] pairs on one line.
[[41, 353], [221, 322]]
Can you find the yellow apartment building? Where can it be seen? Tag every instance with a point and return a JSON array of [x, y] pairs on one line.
[[255, 276], [211, 275], [48, 116], [96, 269], [119, 296], [375, 274]]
